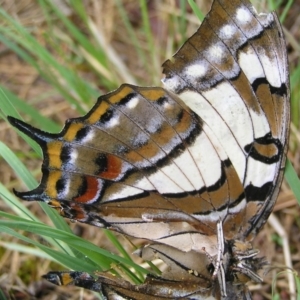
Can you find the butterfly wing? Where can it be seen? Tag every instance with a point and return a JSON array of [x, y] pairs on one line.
[[233, 73], [136, 164]]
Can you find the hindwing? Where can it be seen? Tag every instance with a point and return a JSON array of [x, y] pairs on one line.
[[233, 73]]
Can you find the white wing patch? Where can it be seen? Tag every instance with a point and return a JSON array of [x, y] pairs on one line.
[[164, 184], [238, 208], [227, 31], [250, 64], [177, 176], [231, 107], [196, 70], [207, 159], [259, 173], [216, 52], [207, 113], [73, 157], [89, 137], [123, 191], [173, 83], [144, 184], [270, 66], [132, 103], [260, 124], [243, 15], [188, 166], [113, 122], [247, 24]]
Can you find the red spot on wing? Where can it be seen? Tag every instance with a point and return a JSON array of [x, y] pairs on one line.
[[91, 191], [113, 168], [78, 212]]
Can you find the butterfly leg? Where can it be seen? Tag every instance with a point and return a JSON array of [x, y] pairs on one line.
[[219, 269]]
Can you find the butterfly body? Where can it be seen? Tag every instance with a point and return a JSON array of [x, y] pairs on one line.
[[194, 167]]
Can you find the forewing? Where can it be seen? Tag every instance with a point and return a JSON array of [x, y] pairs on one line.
[[138, 163]]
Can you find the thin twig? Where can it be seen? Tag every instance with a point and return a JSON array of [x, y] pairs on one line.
[[274, 222]]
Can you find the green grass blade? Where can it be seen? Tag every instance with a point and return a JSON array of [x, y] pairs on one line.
[[132, 36], [64, 79], [94, 253], [153, 47], [65, 259], [293, 180], [196, 10], [20, 170], [15, 205], [21, 106], [297, 279]]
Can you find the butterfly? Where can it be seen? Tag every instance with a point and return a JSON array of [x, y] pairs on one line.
[[194, 167]]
